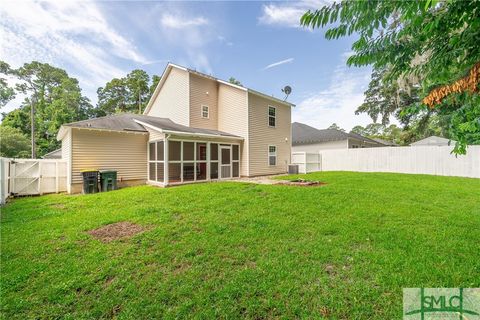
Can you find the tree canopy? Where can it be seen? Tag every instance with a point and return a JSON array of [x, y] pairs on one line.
[[127, 94], [336, 127], [56, 97], [422, 44], [14, 143]]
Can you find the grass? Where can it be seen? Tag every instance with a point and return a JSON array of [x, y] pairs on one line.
[[231, 250]]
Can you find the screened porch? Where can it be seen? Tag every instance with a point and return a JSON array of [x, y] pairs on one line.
[[177, 161]]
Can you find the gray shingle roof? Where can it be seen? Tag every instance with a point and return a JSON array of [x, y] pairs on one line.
[[128, 122], [304, 134]]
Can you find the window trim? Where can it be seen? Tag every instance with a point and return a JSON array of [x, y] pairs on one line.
[[270, 116], [274, 155], [208, 111]]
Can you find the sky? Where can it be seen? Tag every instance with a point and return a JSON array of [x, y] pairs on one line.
[[259, 43]]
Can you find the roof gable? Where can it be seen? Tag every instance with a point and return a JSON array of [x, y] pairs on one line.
[[169, 67]]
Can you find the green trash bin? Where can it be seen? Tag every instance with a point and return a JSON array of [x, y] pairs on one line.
[[108, 180], [90, 181]]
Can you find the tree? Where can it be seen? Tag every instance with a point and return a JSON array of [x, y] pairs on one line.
[[13, 144], [426, 42], [128, 94], [335, 127], [235, 81], [7, 93], [56, 99]]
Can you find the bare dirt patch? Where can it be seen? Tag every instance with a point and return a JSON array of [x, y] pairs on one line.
[[302, 183], [116, 231]]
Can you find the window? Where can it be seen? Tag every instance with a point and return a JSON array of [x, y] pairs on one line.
[[354, 146], [272, 155], [205, 112], [156, 161], [272, 116]]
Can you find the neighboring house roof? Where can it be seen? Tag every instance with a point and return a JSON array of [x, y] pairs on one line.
[[171, 65], [385, 142], [55, 154], [130, 122], [304, 134], [433, 141]]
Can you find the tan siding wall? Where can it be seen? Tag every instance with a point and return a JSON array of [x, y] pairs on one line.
[[154, 135], [199, 86], [172, 101], [124, 152], [261, 136], [233, 118], [316, 147]]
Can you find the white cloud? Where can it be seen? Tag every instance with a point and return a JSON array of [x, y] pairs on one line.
[[337, 103], [190, 33], [66, 34], [179, 22], [278, 63], [288, 14]]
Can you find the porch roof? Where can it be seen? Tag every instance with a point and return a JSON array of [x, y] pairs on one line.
[[129, 122]]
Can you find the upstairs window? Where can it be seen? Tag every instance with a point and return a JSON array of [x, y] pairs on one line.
[[272, 155], [272, 116], [205, 112]]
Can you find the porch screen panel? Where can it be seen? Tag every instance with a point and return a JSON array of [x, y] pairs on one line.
[[174, 150], [235, 169], [151, 171], [156, 161], [214, 151], [188, 171], [159, 151], [188, 149], [214, 170]]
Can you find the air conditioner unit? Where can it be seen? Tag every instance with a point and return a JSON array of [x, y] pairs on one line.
[[293, 169]]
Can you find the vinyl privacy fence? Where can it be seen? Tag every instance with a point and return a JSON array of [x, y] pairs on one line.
[[32, 177], [417, 160]]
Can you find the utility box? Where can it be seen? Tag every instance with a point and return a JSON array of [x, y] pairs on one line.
[[108, 180], [293, 169], [90, 181]]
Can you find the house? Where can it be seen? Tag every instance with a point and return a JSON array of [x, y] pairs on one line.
[[194, 128], [385, 143], [433, 141], [309, 139], [55, 154]]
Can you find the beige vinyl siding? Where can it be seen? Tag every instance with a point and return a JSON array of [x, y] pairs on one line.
[[95, 149], [203, 91], [261, 135], [316, 147], [154, 135], [172, 100], [233, 118], [67, 155]]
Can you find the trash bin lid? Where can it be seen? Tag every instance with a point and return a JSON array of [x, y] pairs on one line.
[[89, 170], [108, 171]]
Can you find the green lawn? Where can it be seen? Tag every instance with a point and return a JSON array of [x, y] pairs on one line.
[[231, 250]]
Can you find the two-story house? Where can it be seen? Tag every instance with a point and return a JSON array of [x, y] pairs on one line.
[[195, 128]]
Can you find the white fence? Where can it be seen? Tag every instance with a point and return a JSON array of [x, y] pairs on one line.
[[418, 160], [32, 176], [307, 162]]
